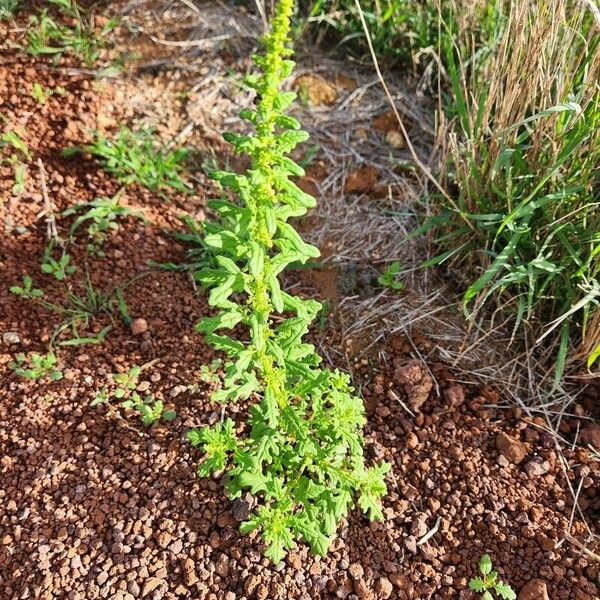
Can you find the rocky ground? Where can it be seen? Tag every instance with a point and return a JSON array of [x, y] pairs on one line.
[[93, 505]]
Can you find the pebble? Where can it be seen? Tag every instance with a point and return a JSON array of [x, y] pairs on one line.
[[139, 326], [512, 449], [11, 338], [536, 589]]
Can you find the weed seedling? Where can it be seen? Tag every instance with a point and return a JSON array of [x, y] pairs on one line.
[[301, 455], [149, 409], [78, 310], [8, 8], [47, 37], [138, 156], [389, 278], [209, 373], [39, 94], [14, 140], [18, 187], [36, 366], [58, 267], [101, 218], [489, 582]]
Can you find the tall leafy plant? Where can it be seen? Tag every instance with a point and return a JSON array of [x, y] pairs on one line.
[[301, 454]]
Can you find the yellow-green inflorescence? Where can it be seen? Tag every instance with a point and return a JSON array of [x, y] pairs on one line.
[[302, 457]]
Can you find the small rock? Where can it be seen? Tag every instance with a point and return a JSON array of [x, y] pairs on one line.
[[395, 139], [139, 326], [537, 467], [412, 441], [454, 394], [150, 585], [512, 449], [222, 566], [356, 571], [11, 338], [416, 381], [419, 525], [411, 544], [361, 180], [535, 589], [383, 588], [189, 572], [262, 592], [590, 434], [316, 89], [240, 509]]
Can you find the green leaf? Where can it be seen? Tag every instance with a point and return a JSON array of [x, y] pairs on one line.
[[505, 591], [276, 295], [477, 585], [485, 564]]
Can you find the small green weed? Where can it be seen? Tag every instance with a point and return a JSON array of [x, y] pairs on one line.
[[101, 217], [489, 582], [149, 409], [47, 37], [209, 373], [14, 140], [18, 187], [59, 267], [138, 156], [79, 310], [36, 366], [39, 94], [389, 278], [8, 8]]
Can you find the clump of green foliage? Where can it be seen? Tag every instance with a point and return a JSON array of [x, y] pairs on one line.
[[78, 310], [12, 140], [489, 582], [389, 278], [39, 94], [523, 222], [149, 409], [138, 156], [301, 453], [100, 217], [8, 8], [47, 37], [405, 31], [36, 366], [60, 267]]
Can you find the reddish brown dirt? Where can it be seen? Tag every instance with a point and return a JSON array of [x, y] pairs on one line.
[[94, 506]]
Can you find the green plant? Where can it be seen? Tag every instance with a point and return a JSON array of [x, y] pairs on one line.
[[59, 267], [100, 216], [18, 187], [489, 581], [389, 278], [13, 139], [302, 452], [79, 309], [209, 373], [8, 8], [523, 222], [46, 36], [138, 156], [36, 366], [39, 94], [407, 31], [149, 409]]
